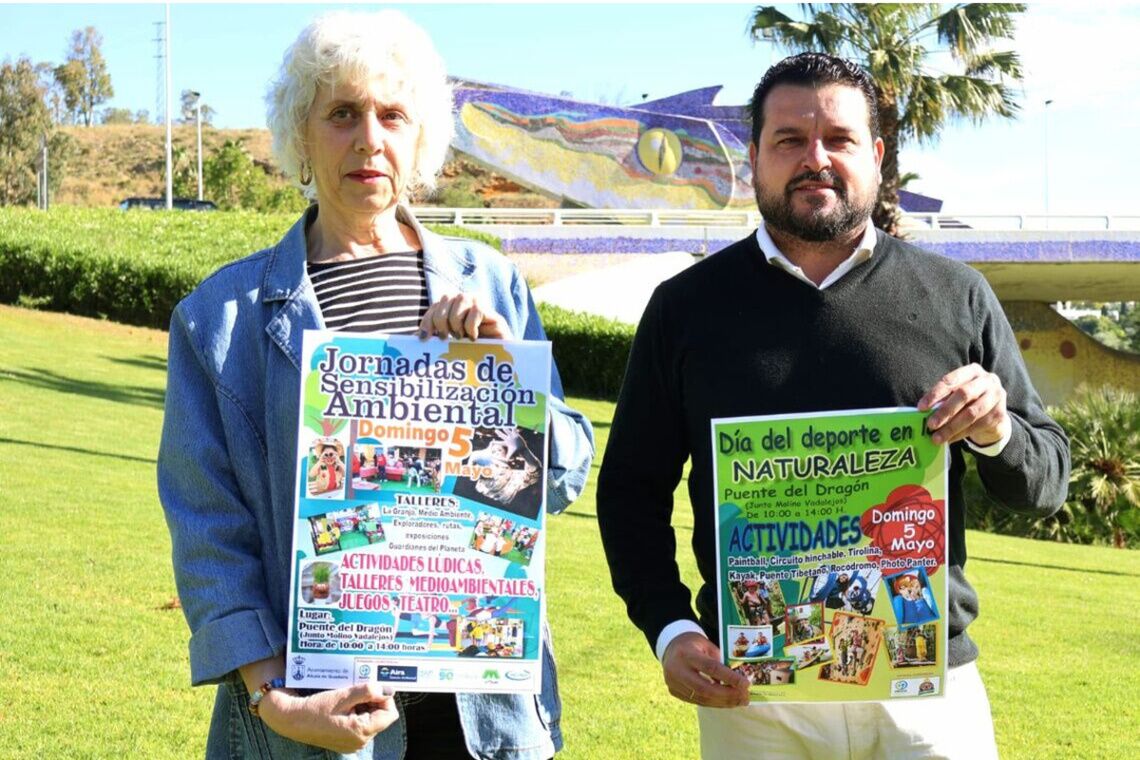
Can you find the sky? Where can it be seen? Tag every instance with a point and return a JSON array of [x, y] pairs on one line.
[[1084, 60]]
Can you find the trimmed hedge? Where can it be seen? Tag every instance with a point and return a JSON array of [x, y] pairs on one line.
[[130, 267], [134, 267], [591, 351]]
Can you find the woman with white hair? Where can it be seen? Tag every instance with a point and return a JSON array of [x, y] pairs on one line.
[[361, 115]]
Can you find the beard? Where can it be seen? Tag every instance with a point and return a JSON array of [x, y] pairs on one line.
[[815, 226]]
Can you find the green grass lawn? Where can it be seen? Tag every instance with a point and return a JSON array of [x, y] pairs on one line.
[[93, 660]]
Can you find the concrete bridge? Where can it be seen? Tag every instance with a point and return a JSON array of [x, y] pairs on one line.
[[678, 168], [1027, 268]]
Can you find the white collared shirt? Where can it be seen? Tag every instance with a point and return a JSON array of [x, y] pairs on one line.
[[776, 258]]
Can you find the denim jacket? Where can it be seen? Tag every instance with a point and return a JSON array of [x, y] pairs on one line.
[[226, 476]]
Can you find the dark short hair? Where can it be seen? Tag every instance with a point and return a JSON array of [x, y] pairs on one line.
[[813, 70]]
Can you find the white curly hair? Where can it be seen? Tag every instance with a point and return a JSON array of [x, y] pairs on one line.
[[355, 47]]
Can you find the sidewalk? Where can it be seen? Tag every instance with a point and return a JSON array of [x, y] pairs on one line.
[[618, 292]]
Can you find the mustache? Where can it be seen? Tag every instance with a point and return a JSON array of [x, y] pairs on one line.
[[826, 176]]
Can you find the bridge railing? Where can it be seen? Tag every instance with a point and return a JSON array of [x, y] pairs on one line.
[[1025, 222], [748, 218], [590, 216]]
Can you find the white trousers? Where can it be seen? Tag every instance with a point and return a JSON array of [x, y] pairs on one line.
[[957, 726]]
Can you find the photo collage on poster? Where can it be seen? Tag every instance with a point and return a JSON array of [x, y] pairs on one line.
[[831, 564], [830, 634], [508, 487]]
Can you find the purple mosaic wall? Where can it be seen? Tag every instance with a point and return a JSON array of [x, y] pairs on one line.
[[678, 152], [1126, 250]]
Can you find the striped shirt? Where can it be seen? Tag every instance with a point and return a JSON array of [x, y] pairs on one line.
[[385, 293]]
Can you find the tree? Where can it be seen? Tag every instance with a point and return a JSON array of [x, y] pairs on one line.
[[1104, 437], [184, 179], [894, 42], [69, 77], [84, 78], [53, 93], [62, 150], [234, 181], [117, 116], [1104, 330], [1130, 323], [1103, 503], [24, 121], [906, 178]]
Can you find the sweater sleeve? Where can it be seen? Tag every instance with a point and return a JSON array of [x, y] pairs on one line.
[[1031, 474], [642, 466]]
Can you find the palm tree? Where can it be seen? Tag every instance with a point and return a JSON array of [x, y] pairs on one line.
[[1104, 438], [891, 41], [906, 178]]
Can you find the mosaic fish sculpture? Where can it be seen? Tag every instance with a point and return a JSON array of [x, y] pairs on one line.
[[680, 152]]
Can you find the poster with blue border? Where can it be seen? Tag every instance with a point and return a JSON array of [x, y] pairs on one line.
[[831, 554], [419, 523]]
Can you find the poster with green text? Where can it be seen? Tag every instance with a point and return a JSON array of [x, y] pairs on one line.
[[831, 554]]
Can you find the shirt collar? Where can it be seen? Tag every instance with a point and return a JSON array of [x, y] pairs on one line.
[[775, 257]]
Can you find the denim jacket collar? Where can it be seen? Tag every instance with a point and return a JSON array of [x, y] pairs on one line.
[[287, 281]]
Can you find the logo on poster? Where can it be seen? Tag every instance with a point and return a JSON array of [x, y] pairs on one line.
[[364, 670], [518, 675], [298, 668], [923, 686], [490, 675], [393, 673], [904, 687]]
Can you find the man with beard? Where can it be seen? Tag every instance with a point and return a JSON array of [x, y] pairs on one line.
[[817, 311]]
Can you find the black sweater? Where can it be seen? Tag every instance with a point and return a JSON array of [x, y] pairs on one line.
[[734, 336]]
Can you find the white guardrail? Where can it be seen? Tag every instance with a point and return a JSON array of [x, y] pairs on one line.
[[587, 216], [700, 218]]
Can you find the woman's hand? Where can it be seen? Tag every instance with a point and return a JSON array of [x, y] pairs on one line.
[[462, 316], [343, 720]]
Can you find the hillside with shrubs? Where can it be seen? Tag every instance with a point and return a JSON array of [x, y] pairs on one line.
[[104, 164]]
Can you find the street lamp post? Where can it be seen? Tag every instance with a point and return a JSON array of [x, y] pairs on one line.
[[1047, 104], [169, 138], [46, 195], [198, 122]]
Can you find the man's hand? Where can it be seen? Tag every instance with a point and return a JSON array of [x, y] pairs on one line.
[[462, 316], [971, 404], [343, 720], [694, 673]]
